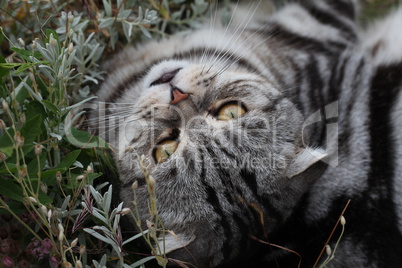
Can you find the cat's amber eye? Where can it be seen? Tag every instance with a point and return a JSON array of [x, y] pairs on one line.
[[231, 111], [165, 149]]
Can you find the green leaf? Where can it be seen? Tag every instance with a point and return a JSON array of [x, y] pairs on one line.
[[135, 237], [33, 166], [78, 103], [11, 190], [68, 160], [51, 107], [44, 199], [49, 177], [30, 131], [142, 261], [6, 143], [47, 173], [16, 206], [72, 184], [25, 66], [10, 65], [21, 91], [3, 71], [99, 236], [11, 166], [84, 139], [26, 54], [42, 87], [34, 108]]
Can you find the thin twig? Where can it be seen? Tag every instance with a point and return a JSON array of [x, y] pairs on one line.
[[332, 233], [277, 246]]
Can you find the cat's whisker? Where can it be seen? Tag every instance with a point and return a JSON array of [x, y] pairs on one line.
[[112, 123], [206, 49], [250, 48], [237, 34], [212, 24], [230, 62], [214, 54], [113, 110]]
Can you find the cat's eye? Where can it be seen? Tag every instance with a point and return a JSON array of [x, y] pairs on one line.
[[165, 149], [231, 111]]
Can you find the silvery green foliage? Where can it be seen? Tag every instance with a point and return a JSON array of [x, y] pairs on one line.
[[59, 60], [127, 20], [109, 232], [58, 63], [70, 23], [87, 51], [101, 263]]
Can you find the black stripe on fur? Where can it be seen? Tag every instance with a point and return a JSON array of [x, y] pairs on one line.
[[283, 37], [345, 8], [385, 87], [213, 200], [327, 18], [250, 180]]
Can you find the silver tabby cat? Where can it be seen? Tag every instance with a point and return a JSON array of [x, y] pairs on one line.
[[262, 131]]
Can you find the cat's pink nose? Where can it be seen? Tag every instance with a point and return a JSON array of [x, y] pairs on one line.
[[177, 95]]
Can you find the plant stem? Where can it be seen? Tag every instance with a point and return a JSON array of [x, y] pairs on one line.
[[18, 219]]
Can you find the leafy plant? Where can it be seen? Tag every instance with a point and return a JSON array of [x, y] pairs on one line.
[[49, 68]]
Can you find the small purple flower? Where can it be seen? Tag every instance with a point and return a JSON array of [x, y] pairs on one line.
[[54, 262], [39, 250], [34, 248], [7, 262], [35, 243], [47, 244]]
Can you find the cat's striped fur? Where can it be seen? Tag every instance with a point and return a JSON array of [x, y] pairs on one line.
[[306, 77]]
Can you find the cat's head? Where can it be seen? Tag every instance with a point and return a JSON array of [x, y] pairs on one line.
[[225, 148]]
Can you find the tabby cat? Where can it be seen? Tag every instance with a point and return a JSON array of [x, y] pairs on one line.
[[257, 134]]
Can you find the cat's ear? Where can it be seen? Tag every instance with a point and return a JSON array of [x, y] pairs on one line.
[[308, 159]]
